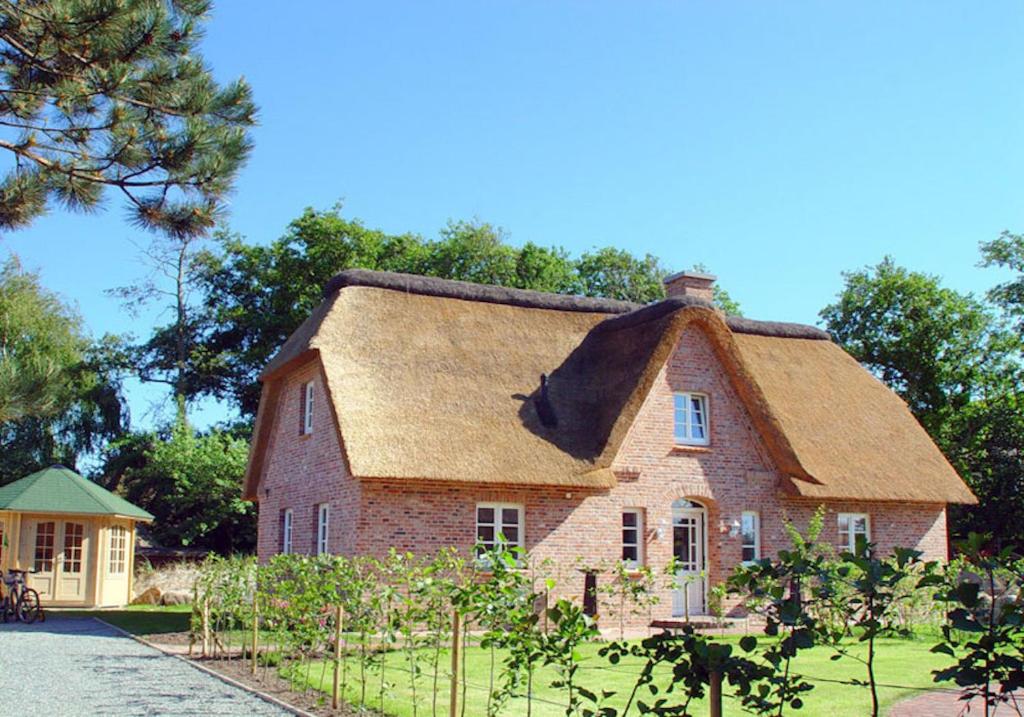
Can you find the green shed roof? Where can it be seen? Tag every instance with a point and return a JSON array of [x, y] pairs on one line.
[[60, 490]]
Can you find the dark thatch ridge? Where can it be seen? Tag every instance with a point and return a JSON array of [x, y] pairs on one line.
[[630, 314], [450, 289], [776, 329]]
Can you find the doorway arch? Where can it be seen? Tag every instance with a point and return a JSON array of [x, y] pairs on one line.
[[690, 550]]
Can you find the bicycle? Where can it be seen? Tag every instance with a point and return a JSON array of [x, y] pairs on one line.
[[19, 601]]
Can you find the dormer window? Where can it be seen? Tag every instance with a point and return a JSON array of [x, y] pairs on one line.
[[691, 419], [307, 408]]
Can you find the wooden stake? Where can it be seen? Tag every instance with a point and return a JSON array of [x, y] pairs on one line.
[[716, 693], [206, 626], [339, 617], [453, 698], [255, 629]]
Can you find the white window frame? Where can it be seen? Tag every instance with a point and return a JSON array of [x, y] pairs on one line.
[[499, 523], [118, 553], [639, 544], [755, 519], [323, 521], [848, 537], [287, 525], [307, 408], [688, 439]]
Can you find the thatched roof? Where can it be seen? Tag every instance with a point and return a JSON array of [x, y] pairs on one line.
[[440, 380]]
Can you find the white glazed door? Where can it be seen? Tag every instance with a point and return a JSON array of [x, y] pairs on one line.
[[72, 562], [38, 554], [688, 548]]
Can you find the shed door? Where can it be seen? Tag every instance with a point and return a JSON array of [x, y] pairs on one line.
[[72, 562], [38, 546]]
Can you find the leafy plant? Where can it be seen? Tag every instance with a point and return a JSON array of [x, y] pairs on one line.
[[985, 632]]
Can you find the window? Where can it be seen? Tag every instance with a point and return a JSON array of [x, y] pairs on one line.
[[323, 514], [691, 419], [307, 408], [118, 549], [632, 531], [286, 531], [852, 525], [750, 529], [44, 547], [74, 536], [498, 524]]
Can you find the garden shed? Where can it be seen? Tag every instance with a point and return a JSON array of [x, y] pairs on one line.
[[76, 537]]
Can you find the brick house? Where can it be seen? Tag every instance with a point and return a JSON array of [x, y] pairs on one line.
[[420, 413]]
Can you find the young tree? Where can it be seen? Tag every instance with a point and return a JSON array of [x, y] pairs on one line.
[[115, 94]]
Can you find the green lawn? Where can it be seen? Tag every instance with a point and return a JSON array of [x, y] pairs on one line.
[[907, 663], [141, 619]]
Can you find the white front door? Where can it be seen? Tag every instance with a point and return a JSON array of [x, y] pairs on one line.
[[688, 547]]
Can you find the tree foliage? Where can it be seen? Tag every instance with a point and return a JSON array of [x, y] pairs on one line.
[[255, 296], [41, 344], [192, 484], [950, 356], [935, 347], [113, 93]]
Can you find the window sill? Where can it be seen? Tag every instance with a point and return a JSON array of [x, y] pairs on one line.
[[305, 436], [691, 448]]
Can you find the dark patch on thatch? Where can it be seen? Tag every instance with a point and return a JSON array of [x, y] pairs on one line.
[[449, 289]]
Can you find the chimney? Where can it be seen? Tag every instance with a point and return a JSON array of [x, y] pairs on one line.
[[691, 283]]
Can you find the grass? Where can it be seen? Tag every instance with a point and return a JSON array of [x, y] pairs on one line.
[[906, 663], [142, 619]]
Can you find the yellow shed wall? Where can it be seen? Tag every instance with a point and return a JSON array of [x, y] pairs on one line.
[[93, 584]]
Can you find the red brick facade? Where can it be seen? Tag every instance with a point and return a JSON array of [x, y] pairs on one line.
[[732, 474]]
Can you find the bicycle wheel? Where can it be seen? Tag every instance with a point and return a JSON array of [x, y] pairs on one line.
[[6, 611], [28, 608]]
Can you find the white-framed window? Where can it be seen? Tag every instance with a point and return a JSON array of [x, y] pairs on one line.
[[307, 408], [691, 419], [850, 526], [632, 538], [750, 529], [323, 517], [287, 521], [118, 549], [498, 523]]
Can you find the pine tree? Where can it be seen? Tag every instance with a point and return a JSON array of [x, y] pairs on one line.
[[113, 93]]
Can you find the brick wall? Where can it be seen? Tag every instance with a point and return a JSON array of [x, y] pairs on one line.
[[303, 470], [732, 474]]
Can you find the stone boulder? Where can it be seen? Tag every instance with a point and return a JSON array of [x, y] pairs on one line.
[[176, 597], [150, 596]]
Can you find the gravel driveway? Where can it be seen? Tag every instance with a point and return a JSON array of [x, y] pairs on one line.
[[80, 666]]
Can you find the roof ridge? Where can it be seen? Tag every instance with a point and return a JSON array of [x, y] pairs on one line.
[[469, 291], [737, 324]]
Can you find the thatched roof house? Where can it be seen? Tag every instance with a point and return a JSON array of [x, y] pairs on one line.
[[420, 363], [420, 413]]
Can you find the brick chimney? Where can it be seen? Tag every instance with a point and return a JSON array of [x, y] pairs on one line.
[[691, 283]]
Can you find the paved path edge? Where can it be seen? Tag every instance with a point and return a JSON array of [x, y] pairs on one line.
[[203, 668]]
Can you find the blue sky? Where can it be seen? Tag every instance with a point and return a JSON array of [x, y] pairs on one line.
[[777, 143]]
